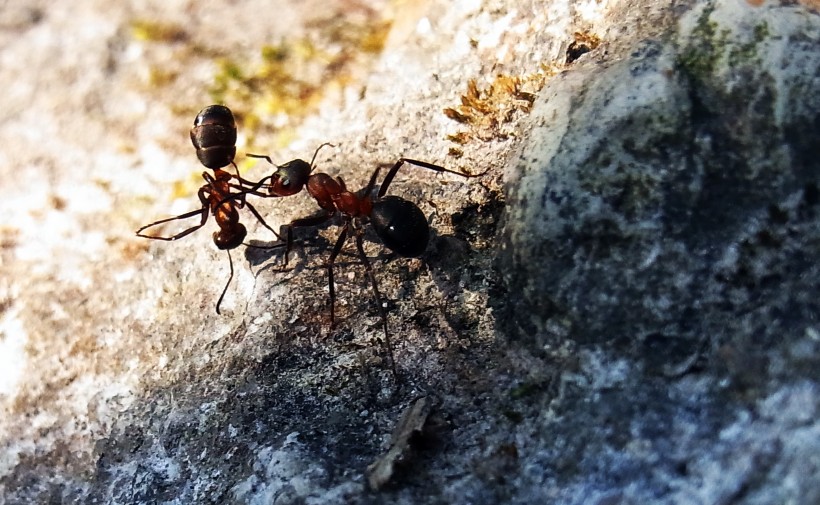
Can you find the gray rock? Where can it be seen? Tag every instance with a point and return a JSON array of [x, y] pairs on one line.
[[642, 327], [664, 211]]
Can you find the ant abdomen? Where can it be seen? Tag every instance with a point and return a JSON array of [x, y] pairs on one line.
[[214, 136], [401, 225], [230, 238]]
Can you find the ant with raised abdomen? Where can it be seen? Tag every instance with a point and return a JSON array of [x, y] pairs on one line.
[[399, 223], [214, 138]]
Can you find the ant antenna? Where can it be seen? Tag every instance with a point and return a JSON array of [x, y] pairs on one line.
[[317, 152]]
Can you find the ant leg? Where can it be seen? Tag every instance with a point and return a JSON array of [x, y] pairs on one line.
[[372, 182], [423, 164], [288, 244], [243, 193], [259, 217], [336, 249], [203, 212], [236, 174], [243, 181], [225, 289], [255, 186], [288, 231], [202, 194], [253, 190], [369, 269]]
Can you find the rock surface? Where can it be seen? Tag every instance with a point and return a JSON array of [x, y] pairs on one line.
[[623, 309]]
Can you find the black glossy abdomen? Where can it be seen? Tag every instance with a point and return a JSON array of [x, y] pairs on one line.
[[214, 136], [401, 225]]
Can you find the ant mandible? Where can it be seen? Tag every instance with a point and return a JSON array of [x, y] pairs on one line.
[[399, 223], [214, 138]]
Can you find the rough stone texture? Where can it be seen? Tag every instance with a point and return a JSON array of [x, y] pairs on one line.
[[664, 211], [642, 328]]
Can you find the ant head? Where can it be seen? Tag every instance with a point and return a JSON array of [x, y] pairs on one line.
[[401, 225], [214, 136], [230, 238], [290, 178]]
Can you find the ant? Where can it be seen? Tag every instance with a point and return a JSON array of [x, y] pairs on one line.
[[214, 138], [399, 223]]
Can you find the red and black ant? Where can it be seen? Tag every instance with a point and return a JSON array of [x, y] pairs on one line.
[[399, 223], [214, 137]]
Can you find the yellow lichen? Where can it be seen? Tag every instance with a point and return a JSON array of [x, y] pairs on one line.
[[288, 80], [486, 111], [583, 43], [271, 90], [154, 31]]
